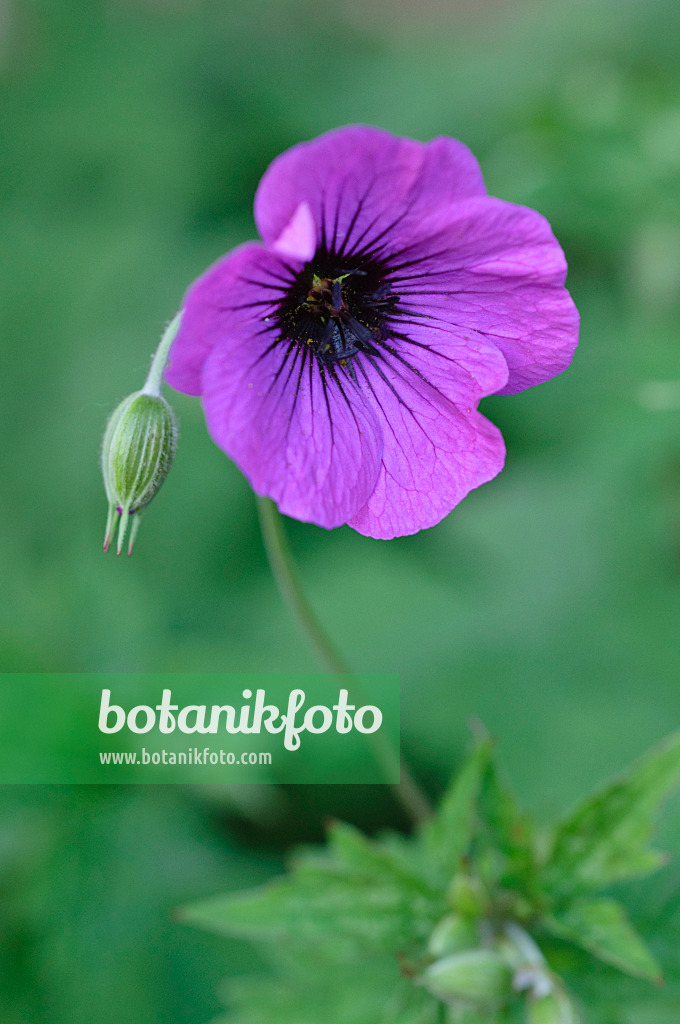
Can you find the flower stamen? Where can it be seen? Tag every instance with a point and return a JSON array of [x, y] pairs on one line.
[[337, 313]]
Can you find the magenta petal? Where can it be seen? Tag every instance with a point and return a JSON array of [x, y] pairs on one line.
[[463, 366], [359, 182], [535, 327], [496, 270], [311, 444], [207, 312], [314, 447], [434, 454]]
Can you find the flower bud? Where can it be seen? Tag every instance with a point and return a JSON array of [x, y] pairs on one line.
[[478, 976], [137, 452], [453, 934], [466, 895], [555, 1008]]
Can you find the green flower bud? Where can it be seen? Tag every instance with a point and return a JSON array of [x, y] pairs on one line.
[[555, 1008], [453, 934], [477, 976], [466, 895], [137, 452]]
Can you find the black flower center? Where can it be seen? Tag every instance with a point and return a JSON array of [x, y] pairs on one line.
[[337, 307]]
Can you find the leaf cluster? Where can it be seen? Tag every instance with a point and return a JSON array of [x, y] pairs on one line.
[[466, 921]]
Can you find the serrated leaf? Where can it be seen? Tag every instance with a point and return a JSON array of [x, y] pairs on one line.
[[372, 860], [345, 995], [601, 927], [342, 919], [603, 839], [268, 913], [448, 836], [352, 896], [508, 834]]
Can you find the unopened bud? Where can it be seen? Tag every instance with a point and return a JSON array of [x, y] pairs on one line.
[[478, 976], [556, 1008], [453, 934], [466, 895], [137, 452]]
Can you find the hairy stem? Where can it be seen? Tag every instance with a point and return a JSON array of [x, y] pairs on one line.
[[410, 796], [154, 381]]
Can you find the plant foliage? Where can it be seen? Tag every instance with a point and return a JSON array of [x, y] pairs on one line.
[[470, 920]]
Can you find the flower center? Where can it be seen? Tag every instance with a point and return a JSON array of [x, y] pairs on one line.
[[337, 311]]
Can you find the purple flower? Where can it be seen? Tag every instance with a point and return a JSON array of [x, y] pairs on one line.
[[342, 360]]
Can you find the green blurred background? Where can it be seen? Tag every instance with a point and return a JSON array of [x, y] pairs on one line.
[[132, 137]]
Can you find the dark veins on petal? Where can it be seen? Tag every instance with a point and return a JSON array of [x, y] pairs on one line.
[[344, 304]]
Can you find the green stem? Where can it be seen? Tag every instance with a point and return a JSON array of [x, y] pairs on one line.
[[154, 381], [407, 791]]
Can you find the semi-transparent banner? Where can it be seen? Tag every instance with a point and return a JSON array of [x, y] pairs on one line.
[[94, 728]]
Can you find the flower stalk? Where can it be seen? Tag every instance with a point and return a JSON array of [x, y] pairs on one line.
[[154, 380], [408, 793]]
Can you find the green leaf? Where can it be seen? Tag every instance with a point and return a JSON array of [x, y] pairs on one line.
[[352, 896], [448, 836], [268, 913], [603, 839], [391, 858], [479, 819], [351, 924], [508, 836], [310, 993], [602, 928]]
